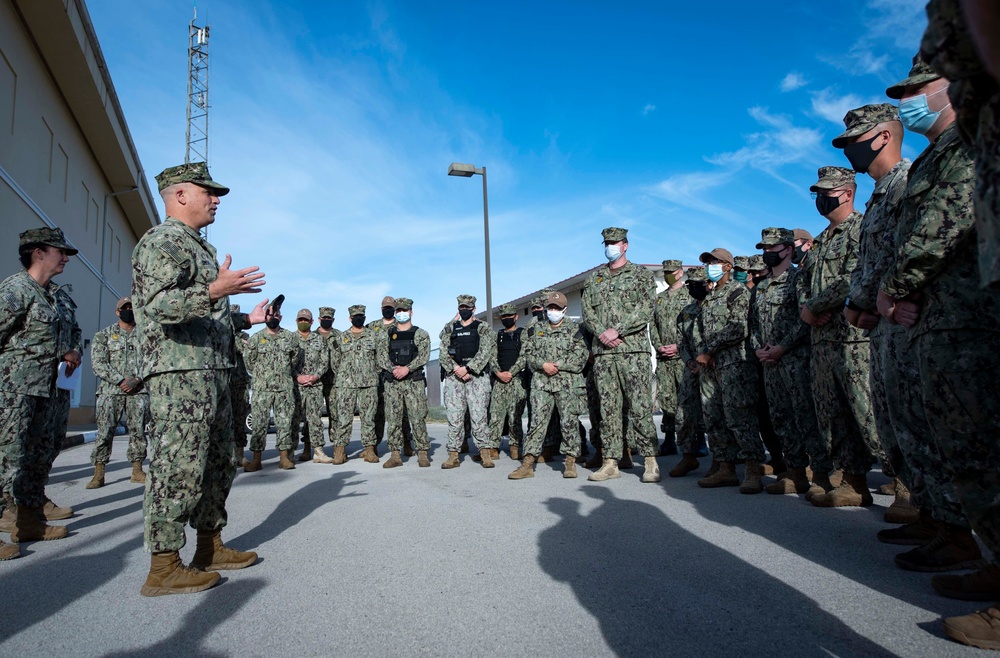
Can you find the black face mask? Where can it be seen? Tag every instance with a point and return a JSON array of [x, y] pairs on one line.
[[757, 279], [698, 290], [358, 321], [773, 258], [861, 156], [798, 254], [326, 323], [539, 314], [465, 313], [388, 312], [273, 323], [827, 204], [127, 316], [508, 322]]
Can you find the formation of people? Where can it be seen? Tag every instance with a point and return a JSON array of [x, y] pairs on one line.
[[804, 365]]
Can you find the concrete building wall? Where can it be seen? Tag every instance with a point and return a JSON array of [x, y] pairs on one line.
[[66, 160]]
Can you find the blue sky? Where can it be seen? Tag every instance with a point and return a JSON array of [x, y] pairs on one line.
[[692, 125]]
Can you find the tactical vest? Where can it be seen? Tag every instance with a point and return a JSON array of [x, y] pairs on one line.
[[402, 347], [508, 348], [464, 342]]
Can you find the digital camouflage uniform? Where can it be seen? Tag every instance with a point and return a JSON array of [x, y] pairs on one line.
[[30, 409], [840, 359], [623, 299], [114, 355], [788, 384], [566, 390], [473, 395], [355, 359], [274, 362], [330, 378], [314, 359], [958, 329], [380, 326], [690, 421], [239, 387], [664, 331], [70, 338], [405, 399], [729, 388], [187, 352], [508, 400]]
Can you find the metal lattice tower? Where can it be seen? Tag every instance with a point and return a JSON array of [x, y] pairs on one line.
[[197, 106]]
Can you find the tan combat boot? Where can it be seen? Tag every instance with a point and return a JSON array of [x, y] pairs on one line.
[[167, 575], [607, 471], [954, 549], [97, 481], [393, 461], [525, 470], [486, 456], [852, 492], [9, 551], [724, 477], [688, 463], [369, 455], [307, 451], [30, 526], [52, 512], [212, 555], [407, 446], [8, 519], [339, 455], [515, 452], [982, 585], [752, 473], [794, 482], [253, 465], [820, 485], [452, 461], [652, 472], [138, 475], [320, 457], [902, 509], [569, 467], [422, 460], [285, 460], [980, 629], [837, 477]]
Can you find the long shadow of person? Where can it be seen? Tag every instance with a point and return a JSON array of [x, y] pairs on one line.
[[716, 603]]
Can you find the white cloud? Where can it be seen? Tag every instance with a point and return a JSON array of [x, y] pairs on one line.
[[794, 80], [897, 22], [831, 106], [784, 143], [648, 109]]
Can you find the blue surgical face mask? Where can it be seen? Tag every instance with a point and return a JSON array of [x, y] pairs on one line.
[[715, 271], [916, 115], [402, 317], [612, 252]]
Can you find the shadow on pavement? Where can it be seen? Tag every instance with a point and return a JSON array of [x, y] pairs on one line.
[[690, 598]]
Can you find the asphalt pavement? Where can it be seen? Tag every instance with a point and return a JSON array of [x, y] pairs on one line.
[[357, 560]]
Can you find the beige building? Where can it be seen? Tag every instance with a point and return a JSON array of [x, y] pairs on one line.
[[67, 160]]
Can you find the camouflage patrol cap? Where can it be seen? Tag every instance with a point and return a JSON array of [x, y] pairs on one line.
[[802, 234], [193, 172], [860, 120], [613, 234], [920, 74], [718, 254], [830, 178], [388, 301], [52, 237], [741, 263], [404, 303], [127, 300], [357, 309], [326, 311], [507, 309], [467, 300], [556, 298], [672, 265], [755, 263], [696, 273], [304, 314], [772, 236]]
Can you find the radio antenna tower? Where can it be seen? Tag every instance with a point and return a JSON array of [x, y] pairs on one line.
[[197, 106]]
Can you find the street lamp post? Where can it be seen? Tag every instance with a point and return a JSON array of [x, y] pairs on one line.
[[467, 171]]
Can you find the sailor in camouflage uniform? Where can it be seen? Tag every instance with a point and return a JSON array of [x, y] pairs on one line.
[[690, 421], [556, 353], [314, 361], [326, 330], [403, 355], [181, 298], [31, 350], [382, 324], [467, 349], [618, 303], [840, 360], [932, 289], [355, 358], [664, 333], [239, 387], [510, 375], [114, 355]]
